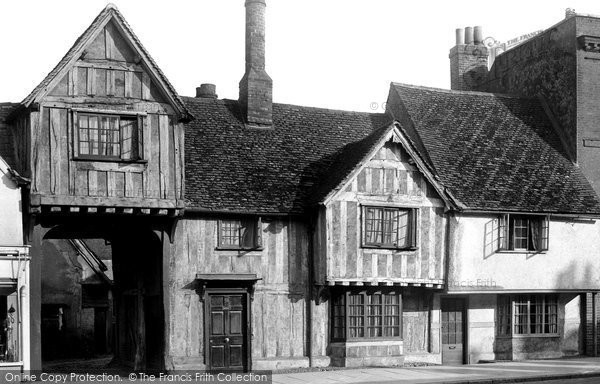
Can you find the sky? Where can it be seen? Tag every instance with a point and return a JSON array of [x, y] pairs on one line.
[[338, 54]]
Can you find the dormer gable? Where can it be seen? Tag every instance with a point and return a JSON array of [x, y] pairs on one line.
[[108, 60], [387, 163], [103, 132]]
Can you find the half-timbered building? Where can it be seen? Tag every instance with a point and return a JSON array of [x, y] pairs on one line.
[[451, 228]]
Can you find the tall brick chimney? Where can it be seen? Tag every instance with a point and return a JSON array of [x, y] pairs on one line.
[[256, 87], [468, 60]]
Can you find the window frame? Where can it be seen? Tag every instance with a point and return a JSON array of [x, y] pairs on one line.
[[136, 135], [412, 232], [507, 232], [346, 328], [257, 240], [505, 317]]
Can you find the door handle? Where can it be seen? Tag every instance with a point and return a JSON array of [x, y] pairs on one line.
[[453, 347], [227, 339]]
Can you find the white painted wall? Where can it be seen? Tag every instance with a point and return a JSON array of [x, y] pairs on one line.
[[11, 225], [571, 262], [14, 258]]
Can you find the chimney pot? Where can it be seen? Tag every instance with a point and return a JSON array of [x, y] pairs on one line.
[[478, 35], [460, 36], [468, 35], [206, 91]]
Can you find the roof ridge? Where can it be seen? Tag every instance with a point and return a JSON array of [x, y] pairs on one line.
[[295, 105], [457, 92]]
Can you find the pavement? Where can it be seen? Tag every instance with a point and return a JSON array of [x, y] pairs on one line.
[[498, 372]]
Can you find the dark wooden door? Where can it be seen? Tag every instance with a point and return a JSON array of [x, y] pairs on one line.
[[227, 331], [453, 325]]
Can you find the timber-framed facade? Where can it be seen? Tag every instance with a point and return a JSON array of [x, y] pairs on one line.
[[247, 234]]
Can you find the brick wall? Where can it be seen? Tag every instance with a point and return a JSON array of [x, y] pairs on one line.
[[589, 324], [256, 87], [468, 67]]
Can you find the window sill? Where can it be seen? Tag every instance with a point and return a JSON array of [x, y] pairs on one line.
[[367, 339], [521, 251], [368, 246], [545, 335], [249, 249], [109, 160]]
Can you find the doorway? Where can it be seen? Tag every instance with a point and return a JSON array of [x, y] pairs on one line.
[[453, 331], [227, 329]]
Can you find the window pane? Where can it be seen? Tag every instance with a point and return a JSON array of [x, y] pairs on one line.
[[371, 315], [128, 138], [520, 233], [339, 316], [403, 229], [248, 233], [230, 232], [390, 227], [101, 135]]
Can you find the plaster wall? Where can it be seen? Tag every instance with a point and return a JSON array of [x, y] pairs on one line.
[[571, 262]]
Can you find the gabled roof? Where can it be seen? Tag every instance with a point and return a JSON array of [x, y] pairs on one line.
[[493, 152], [354, 156], [230, 167], [110, 12]]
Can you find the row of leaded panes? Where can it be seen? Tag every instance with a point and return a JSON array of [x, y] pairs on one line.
[[521, 233], [534, 314], [99, 136], [339, 317], [387, 226], [374, 315], [356, 315], [238, 233]]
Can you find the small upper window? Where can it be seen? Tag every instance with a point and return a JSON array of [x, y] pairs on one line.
[[108, 136], [239, 233], [389, 227], [523, 233]]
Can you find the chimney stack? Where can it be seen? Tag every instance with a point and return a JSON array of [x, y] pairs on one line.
[[206, 91], [468, 60], [256, 87]]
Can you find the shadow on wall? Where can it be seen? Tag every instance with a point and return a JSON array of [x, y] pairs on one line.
[[577, 276], [8, 182]]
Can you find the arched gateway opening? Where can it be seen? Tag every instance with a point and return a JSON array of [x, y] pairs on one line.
[[100, 293]]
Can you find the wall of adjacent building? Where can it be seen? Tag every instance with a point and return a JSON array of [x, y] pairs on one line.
[[11, 225], [571, 261], [543, 66]]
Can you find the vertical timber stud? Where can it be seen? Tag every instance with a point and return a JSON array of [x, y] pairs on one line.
[[595, 323]]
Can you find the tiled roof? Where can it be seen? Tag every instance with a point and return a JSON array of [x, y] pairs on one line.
[[230, 167], [109, 11], [494, 152]]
